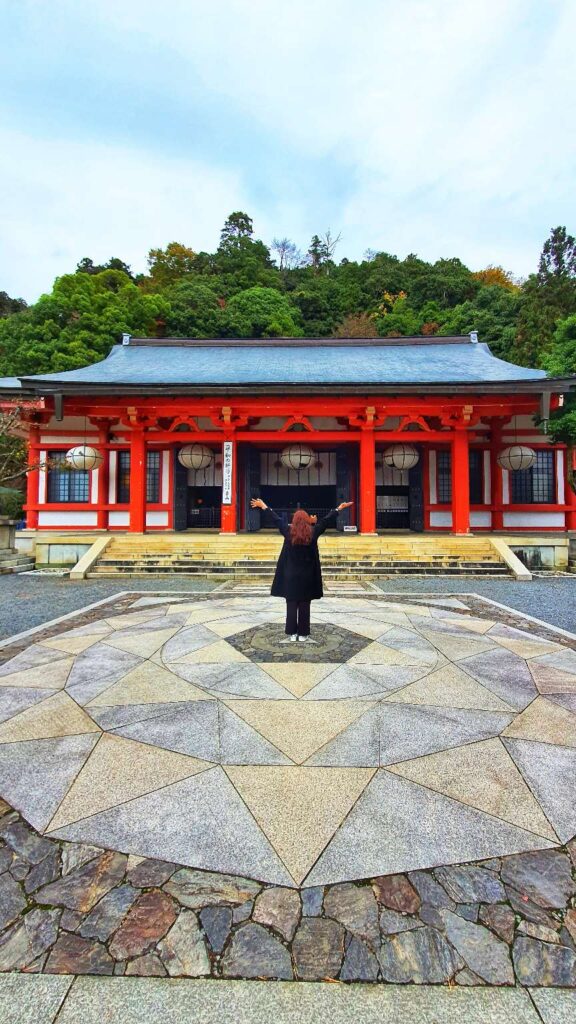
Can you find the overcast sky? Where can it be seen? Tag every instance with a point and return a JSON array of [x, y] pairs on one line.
[[441, 127]]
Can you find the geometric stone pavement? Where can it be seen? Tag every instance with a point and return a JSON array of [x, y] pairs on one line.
[[410, 735]]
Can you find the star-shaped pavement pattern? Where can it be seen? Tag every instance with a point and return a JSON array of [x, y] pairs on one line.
[[410, 734]]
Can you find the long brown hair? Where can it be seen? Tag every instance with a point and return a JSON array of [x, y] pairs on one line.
[[301, 527]]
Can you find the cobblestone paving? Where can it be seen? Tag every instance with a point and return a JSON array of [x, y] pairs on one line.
[[70, 908], [397, 812]]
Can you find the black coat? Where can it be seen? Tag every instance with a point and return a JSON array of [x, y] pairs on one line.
[[298, 574]]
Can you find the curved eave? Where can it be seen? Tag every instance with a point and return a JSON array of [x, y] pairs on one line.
[[534, 386]]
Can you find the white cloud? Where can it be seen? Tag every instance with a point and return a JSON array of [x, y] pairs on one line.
[[451, 118], [63, 200]]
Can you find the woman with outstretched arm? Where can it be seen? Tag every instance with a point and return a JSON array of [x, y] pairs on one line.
[[298, 576]]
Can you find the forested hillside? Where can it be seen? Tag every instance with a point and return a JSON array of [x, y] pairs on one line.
[[248, 289]]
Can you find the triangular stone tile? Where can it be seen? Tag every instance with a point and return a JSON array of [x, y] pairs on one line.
[[35, 775], [56, 716], [379, 654], [44, 677], [190, 729], [142, 644], [452, 627], [505, 674], [187, 640], [241, 744], [358, 745], [364, 681], [550, 771], [128, 619], [71, 644], [524, 648], [200, 822], [120, 769], [449, 687], [398, 826], [298, 677], [367, 627], [552, 680], [232, 680], [545, 722], [33, 657], [126, 714], [566, 700], [565, 660], [501, 631], [482, 775], [464, 622], [298, 729], [456, 648], [216, 653], [96, 669], [97, 628], [17, 699], [407, 731], [411, 643], [148, 684], [299, 809], [229, 627]]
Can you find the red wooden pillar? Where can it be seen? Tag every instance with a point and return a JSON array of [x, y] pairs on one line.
[[229, 508], [570, 497], [103, 477], [33, 477], [460, 481], [368, 482], [137, 481], [496, 475]]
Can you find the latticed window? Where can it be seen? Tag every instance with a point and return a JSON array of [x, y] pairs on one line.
[[66, 485], [152, 477], [536, 485], [444, 473]]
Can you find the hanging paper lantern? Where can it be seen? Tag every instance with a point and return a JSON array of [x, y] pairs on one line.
[[517, 457], [298, 457], [401, 456], [84, 457], [195, 456]]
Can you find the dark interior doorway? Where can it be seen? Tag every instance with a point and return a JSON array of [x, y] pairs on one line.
[[316, 500]]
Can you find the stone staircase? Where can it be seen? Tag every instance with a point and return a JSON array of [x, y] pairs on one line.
[[253, 557], [11, 561]]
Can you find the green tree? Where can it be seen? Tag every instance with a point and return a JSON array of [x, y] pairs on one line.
[[547, 297], [236, 227], [260, 313], [195, 310], [165, 266], [87, 266], [77, 323], [8, 305], [493, 313]]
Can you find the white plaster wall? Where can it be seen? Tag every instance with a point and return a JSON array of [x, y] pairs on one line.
[[42, 479], [165, 485], [112, 473], [156, 519], [534, 519], [119, 519], [440, 519], [480, 519], [560, 484], [67, 518]]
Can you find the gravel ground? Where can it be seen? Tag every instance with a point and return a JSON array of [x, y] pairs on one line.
[[27, 601]]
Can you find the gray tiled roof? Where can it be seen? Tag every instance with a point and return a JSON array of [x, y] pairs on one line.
[[204, 363]]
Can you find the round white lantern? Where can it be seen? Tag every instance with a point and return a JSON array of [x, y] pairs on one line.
[[298, 457], [195, 456], [83, 457], [401, 456], [517, 457]]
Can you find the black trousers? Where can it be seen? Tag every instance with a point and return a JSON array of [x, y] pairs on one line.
[[298, 618]]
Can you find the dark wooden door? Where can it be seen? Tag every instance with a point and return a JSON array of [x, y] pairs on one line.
[[180, 495], [250, 466], [416, 497], [346, 473]]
